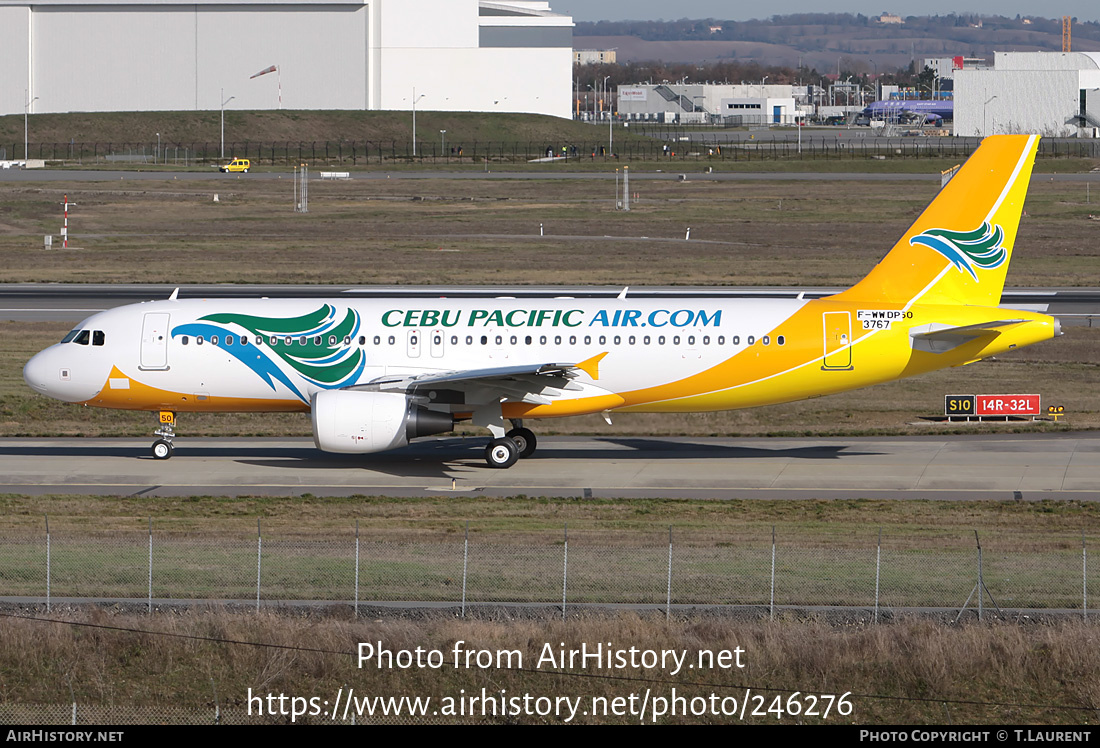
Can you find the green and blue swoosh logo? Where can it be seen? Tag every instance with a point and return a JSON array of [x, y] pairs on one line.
[[309, 352], [967, 250]]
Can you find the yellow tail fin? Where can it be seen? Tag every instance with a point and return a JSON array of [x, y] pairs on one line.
[[958, 250]]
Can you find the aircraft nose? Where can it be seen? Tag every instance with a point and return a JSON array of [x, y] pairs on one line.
[[50, 373], [37, 373]]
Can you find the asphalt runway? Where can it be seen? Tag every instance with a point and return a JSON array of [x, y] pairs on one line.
[[998, 467]]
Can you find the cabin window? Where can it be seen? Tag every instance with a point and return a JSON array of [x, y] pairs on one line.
[[362, 340], [542, 340], [721, 340], [691, 340], [765, 340], [244, 340], [618, 340], [184, 340], [751, 340], [437, 339], [229, 340], [527, 340], [97, 337], [512, 340], [645, 340], [603, 340], [484, 339], [347, 340], [736, 340], [661, 340], [331, 340], [706, 340], [469, 340], [392, 340], [557, 340], [781, 340], [454, 340], [213, 339], [676, 340], [199, 340], [572, 340], [303, 340], [378, 340]]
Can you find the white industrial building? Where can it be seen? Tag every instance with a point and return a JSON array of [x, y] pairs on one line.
[[745, 104], [1044, 93], [160, 55]]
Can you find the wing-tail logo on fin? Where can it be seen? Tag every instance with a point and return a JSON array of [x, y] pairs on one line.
[[967, 249]]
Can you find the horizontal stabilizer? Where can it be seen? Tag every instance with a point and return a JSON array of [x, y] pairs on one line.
[[935, 338]]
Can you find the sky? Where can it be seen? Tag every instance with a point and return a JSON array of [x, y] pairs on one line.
[[639, 10]]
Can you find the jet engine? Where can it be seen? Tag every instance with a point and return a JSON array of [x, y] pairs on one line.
[[359, 422]]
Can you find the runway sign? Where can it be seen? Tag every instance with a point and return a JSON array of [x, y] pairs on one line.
[[1008, 405], [958, 405], [991, 405]]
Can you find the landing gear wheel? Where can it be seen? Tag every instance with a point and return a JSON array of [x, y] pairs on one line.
[[524, 439], [162, 449], [501, 453]]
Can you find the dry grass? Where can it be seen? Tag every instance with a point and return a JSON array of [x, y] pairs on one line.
[[379, 231], [908, 672]]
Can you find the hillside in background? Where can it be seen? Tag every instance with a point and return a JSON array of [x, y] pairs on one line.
[[289, 125], [821, 40]]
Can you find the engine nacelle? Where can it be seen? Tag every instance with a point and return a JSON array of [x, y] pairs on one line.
[[360, 422]]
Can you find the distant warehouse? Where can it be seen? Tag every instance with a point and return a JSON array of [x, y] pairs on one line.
[[159, 55], [1042, 93]]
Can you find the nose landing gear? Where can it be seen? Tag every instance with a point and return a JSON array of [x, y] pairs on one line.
[[162, 448]]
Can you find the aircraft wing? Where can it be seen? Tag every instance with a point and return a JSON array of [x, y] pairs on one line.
[[941, 338], [529, 383]]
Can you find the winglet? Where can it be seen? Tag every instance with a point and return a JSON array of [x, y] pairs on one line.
[[591, 366]]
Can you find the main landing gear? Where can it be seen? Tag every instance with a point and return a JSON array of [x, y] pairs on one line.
[[162, 447], [507, 450]]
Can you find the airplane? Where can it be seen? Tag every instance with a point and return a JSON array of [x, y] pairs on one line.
[[375, 373]]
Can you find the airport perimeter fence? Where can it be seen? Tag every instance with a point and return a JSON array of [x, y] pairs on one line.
[[84, 714], [564, 570], [848, 145]]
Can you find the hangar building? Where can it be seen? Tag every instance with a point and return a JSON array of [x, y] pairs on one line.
[[747, 104], [1044, 93], [161, 55]]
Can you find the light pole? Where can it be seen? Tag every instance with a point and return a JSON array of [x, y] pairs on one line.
[[442, 142], [224, 102], [607, 98], [26, 109], [985, 120], [156, 156], [415, 99]]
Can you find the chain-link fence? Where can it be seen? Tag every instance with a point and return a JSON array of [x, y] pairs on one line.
[[156, 563], [118, 715], [700, 147]]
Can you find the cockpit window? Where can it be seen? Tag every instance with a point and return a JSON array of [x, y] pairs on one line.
[[71, 336], [82, 338], [98, 337]]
